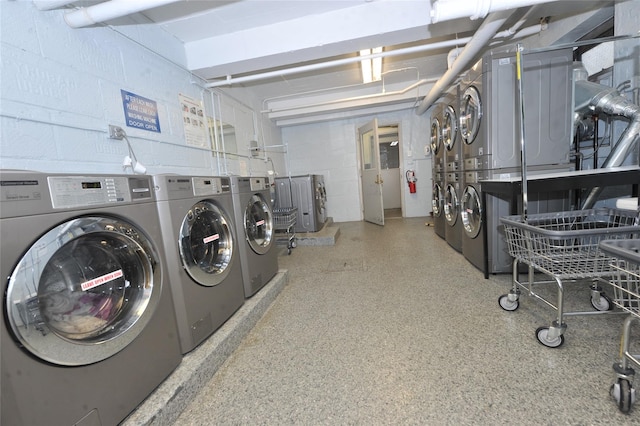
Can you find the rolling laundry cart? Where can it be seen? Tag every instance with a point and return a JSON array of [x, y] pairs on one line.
[[564, 246], [284, 222], [626, 295]]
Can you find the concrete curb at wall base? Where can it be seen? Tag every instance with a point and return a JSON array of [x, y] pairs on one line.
[[166, 403]]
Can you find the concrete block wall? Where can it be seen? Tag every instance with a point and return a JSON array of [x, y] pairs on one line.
[[61, 88], [331, 149]]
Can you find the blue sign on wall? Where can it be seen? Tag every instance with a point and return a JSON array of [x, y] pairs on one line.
[[139, 112]]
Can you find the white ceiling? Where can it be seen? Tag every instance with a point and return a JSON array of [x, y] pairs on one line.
[[236, 38], [240, 37]]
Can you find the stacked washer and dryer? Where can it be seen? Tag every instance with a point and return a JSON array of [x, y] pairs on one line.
[[87, 303], [453, 169], [489, 126], [437, 152], [199, 234]]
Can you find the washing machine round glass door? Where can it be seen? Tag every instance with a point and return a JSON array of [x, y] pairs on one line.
[[470, 115], [258, 224], [437, 201], [451, 205], [449, 128], [84, 290], [436, 135], [206, 243], [471, 212]]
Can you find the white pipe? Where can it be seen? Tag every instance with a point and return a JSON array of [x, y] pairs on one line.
[[338, 62], [487, 30], [446, 10], [51, 4], [109, 10]]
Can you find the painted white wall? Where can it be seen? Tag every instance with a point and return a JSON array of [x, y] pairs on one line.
[[60, 89], [331, 149]]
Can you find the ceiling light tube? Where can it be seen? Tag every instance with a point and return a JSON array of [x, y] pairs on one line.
[[376, 68], [365, 65]]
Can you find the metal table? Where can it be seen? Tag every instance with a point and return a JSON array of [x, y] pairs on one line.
[[511, 188]]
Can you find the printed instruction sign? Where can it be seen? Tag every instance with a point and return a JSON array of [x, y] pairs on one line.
[[139, 112], [195, 123]]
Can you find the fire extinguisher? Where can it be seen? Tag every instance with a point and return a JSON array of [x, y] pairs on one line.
[[411, 181]]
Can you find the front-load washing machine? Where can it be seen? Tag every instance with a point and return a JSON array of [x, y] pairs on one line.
[[254, 228], [88, 329], [437, 152], [196, 214]]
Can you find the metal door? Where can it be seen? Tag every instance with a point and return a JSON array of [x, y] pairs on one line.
[[471, 212], [258, 224], [206, 243], [84, 290], [371, 178]]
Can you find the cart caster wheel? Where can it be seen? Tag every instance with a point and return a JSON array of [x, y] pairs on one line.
[[624, 394], [542, 334], [507, 304], [602, 304], [294, 244]]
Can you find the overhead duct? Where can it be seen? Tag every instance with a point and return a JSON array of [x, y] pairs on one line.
[[446, 10], [596, 98], [101, 12], [486, 32]]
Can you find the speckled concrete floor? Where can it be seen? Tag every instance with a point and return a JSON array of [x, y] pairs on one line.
[[391, 326]]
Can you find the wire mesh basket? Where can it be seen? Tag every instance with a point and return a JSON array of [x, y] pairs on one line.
[[625, 279], [565, 244], [284, 218]]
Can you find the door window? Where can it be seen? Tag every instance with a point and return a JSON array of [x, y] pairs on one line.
[[258, 224], [470, 114], [437, 200], [449, 128], [436, 135], [451, 205], [206, 243], [471, 212]]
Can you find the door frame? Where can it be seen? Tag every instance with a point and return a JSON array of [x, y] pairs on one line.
[[402, 168]]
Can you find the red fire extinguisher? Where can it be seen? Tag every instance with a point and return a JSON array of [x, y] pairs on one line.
[[411, 181]]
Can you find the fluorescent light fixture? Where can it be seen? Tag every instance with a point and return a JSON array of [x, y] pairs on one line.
[[371, 68], [394, 143]]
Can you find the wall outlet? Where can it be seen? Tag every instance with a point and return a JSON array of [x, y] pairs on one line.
[[116, 132]]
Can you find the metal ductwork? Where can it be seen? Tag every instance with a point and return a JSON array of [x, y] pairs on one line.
[[593, 98], [486, 32]]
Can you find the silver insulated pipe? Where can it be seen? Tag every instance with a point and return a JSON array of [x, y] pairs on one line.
[[597, 98]]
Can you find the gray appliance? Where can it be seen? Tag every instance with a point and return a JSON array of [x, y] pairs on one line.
[[437, 153], [489, 113], [452, 194], [254, 227], [453, 169], [88, 329], [199, 235], [499, 260], [308, 194]]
